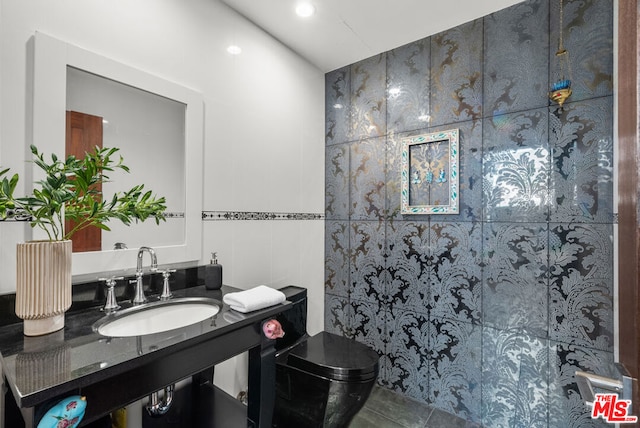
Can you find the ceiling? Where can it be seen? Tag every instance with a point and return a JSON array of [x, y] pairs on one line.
[[343, 32]]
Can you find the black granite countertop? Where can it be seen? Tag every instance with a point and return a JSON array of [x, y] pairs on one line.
[[40, 368]]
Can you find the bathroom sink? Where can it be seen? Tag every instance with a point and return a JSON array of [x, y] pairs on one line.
[[157, 317]]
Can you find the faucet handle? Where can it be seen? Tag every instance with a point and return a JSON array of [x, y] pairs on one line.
[[166, 273], [111, 281], [166, 290], [111, 303]]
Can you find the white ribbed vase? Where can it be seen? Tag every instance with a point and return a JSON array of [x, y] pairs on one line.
[[43, 288]]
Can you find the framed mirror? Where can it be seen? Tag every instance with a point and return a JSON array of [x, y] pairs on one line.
[[429, 176], [149, 130], [162, 143]]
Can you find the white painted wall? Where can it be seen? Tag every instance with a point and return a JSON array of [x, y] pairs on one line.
[[264, 127]]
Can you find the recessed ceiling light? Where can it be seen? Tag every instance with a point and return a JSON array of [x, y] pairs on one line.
[[305, 10], [234, 50]]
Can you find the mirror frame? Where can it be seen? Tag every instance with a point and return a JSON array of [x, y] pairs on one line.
[[51, 58]]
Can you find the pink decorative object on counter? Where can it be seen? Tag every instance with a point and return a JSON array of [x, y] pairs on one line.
[[272, 329]]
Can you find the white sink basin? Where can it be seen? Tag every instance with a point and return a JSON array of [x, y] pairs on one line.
[[157, 317]]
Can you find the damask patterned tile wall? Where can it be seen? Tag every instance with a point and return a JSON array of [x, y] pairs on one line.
[[487, 313]]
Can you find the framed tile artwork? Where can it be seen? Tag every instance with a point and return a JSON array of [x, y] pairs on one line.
[[429, 168]]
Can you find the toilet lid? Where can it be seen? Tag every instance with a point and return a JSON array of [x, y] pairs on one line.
[[335, 357]]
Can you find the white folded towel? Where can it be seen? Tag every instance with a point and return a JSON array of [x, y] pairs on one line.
[[253, 299]]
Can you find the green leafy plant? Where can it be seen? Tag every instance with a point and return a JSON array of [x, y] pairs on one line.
[[71, 190]]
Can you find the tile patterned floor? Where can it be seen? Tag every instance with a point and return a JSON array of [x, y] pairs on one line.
[[386, 409]]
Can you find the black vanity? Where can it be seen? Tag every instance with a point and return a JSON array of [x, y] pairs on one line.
[[113, 372]]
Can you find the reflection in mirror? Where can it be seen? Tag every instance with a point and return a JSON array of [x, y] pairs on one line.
[[149, 130], [167, 159]]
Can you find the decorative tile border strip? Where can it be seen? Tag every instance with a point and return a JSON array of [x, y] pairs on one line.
[[19, 215], [176, 214], [16, 215], [255, 215]]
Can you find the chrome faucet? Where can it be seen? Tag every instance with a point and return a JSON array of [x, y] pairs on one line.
[[139, 297]]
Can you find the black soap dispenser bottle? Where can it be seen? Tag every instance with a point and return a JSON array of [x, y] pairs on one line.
[[213, 274]]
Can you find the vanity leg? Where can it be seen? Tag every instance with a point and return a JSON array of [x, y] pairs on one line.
[[28, 416], [262, 384], [203, 377], [10, 415], [3, 400]]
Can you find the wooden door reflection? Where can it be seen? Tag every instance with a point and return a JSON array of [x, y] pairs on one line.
[[84, 133]]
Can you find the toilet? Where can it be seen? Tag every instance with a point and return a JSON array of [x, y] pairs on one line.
[[322, 380]]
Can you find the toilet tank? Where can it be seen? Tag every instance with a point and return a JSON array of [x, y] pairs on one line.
[[294, 319]]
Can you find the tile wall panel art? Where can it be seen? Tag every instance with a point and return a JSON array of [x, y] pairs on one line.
[[455, 277], [588, 38], [409, 260], [369, 324], [337, 180], [485, 314], [393, 181], [454, 369], [516, 162], [367, 261], [338, 106], [516, 55], [566, 406], [515, 373], [581, 284], [336, 234], [337, 314], [456, 83], [408, 69], [581, 140], [408, 352], [533, 383], [368, 97], [470, 171], [515, 279], [366, 180], [501, 350]]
